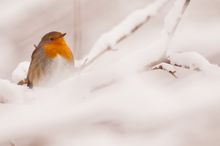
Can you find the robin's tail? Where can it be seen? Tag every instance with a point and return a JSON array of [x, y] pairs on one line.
[[25, 82]]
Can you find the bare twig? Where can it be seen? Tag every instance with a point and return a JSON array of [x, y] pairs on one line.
[[167, 67]]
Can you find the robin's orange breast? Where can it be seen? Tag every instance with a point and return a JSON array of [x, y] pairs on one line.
[[58, 47]]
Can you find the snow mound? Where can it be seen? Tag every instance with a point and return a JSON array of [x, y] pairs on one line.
[[191, 60], [20, 71]]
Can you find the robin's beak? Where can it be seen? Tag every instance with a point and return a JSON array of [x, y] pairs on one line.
[[62, 35]]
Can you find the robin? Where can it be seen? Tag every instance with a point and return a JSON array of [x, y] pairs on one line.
[[51, 46]]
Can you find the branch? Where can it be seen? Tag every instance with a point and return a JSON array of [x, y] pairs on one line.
[[171, 23], [167, 67], [173, 19], [127, 27], [141, 59], [186, 60]]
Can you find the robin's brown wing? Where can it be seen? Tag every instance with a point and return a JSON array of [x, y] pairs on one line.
[[37, 67], [28, 79], [30, 75]]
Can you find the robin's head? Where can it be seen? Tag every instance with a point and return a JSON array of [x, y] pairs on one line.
[[54, 44], [52, 36]]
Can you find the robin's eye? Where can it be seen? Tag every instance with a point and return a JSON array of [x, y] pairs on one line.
[[51, 38]]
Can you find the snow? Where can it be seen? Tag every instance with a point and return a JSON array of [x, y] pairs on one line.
[[193, 60], [131, 109], [174, 15], [20, 73], [119, 104], [165, 66], [172, 20]]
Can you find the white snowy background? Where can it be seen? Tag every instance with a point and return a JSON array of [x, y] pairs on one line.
[[116, 98]]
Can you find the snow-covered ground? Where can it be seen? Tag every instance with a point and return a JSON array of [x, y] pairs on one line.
[[117, 99]]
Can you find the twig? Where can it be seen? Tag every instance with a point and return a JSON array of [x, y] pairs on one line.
[[163, 66]]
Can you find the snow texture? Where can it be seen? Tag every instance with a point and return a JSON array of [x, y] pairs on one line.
[[20, 73], [192, 60]]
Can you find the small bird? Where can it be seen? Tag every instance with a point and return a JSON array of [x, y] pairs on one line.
[[43, 59]]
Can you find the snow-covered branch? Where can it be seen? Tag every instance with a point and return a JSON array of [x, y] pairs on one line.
[[139, 59], [128, 26], [191, 60], [171, 23], [173, 19]]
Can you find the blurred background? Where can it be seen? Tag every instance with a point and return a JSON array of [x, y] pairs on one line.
[[24, 22]]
